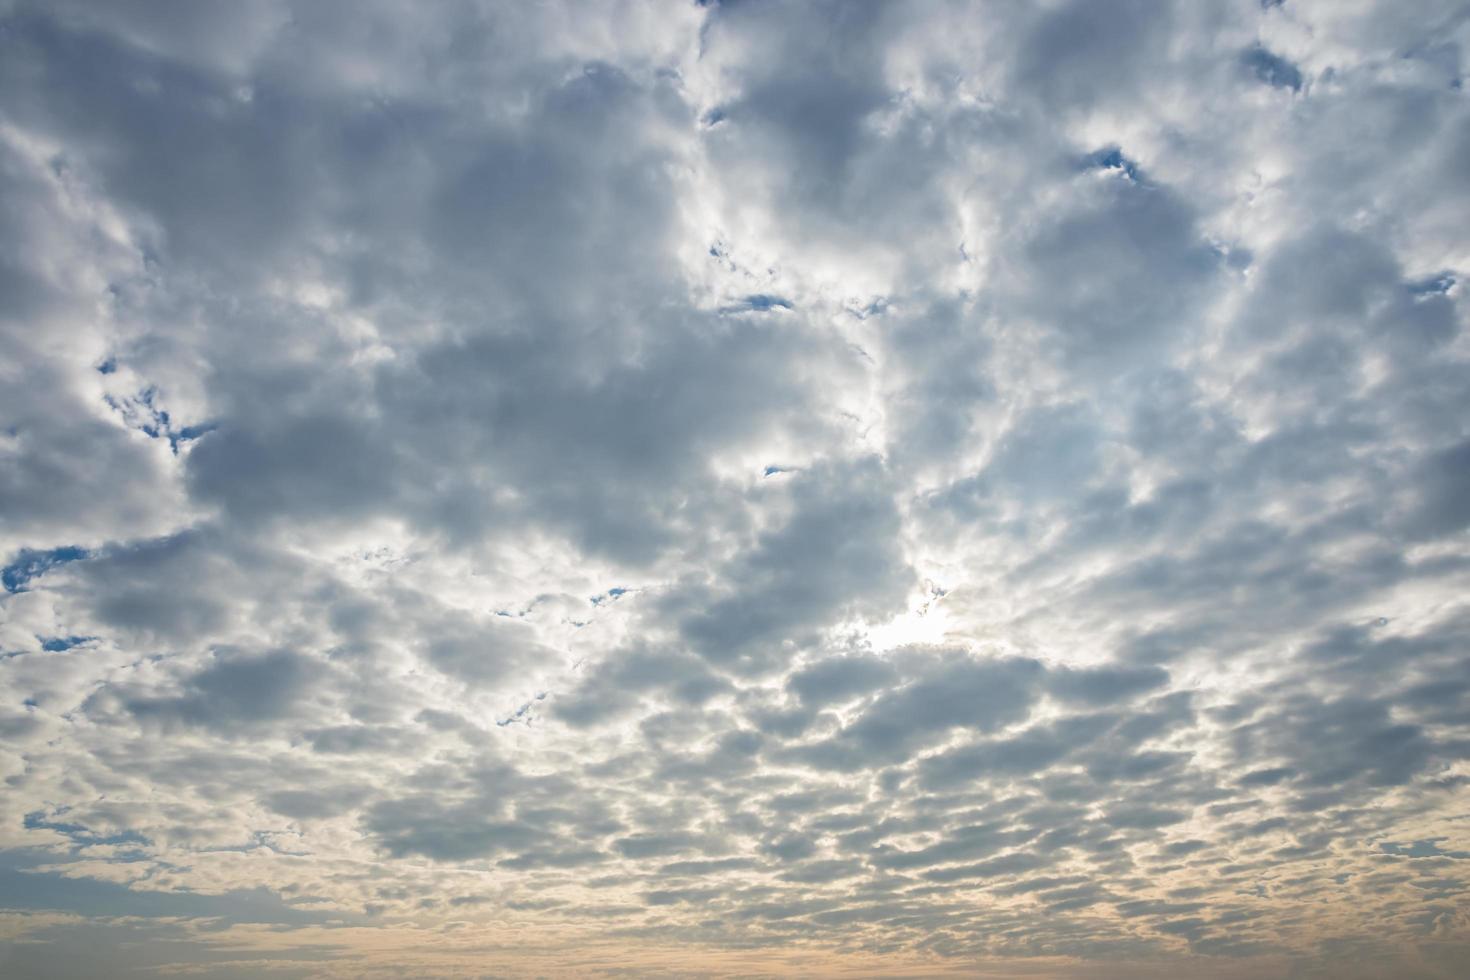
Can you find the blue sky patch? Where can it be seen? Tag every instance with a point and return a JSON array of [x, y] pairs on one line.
[[1112, 158], [33, 564], [1271, 68], [60, 644]]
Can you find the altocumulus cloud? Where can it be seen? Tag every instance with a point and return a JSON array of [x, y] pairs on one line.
[[734, 488]]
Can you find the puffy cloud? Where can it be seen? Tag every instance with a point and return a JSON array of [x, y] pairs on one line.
[[854, 487]]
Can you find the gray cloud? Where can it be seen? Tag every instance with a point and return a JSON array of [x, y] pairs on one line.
[[961, 486], [233, 689]]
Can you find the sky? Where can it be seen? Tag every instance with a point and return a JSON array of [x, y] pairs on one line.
[[674, 489]]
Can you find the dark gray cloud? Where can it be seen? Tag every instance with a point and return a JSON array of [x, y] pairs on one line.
[[234, 689], [904, 489], [840, 679]]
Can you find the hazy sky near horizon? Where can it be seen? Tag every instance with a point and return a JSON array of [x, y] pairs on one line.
[[742, 488]]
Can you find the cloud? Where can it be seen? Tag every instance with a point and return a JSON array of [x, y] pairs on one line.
[[849, 488], [235, 689], [1105, 685], [839, 679]]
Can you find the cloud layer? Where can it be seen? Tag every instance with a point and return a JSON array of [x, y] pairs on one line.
[[735, 488]]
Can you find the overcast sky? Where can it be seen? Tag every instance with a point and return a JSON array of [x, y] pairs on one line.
[[560, 488]]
